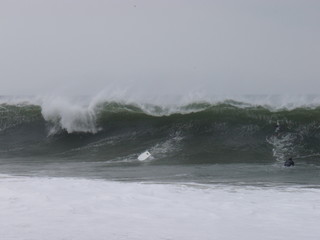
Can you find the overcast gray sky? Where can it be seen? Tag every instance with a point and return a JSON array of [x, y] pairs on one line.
[[163, 46]]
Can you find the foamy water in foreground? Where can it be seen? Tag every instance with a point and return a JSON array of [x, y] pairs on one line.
[[68, 208]]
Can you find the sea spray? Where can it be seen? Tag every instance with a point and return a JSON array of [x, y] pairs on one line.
[[66, 115]]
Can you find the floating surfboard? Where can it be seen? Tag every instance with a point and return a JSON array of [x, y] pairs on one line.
[[143, 156]]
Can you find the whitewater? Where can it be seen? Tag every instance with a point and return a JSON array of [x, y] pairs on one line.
[[69, 167], [59, 208]]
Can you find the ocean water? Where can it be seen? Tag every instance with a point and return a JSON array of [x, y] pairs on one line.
[[215, 163]]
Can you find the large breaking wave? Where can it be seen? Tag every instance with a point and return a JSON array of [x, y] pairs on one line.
[[196, 132]]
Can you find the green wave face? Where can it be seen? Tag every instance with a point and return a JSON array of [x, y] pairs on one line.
[[196, 133]]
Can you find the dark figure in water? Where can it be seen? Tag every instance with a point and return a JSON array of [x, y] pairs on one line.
[[277, 128], [289, 163]]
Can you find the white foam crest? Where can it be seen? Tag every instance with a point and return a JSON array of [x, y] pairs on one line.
[[168, 104], [69, 115], [78, 114], [110, 95], [272, 101]]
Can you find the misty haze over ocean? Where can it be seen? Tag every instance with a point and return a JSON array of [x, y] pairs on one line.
[[220, 93], [168, 47]]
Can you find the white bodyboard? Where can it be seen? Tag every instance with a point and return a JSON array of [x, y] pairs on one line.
[[143, 156]]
